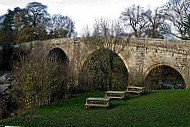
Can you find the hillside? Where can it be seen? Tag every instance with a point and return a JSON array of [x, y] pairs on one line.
[[156, 108]]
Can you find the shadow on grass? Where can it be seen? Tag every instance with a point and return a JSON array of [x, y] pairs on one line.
[[79, 100], [115, 103], [130, 96], [151, 92]]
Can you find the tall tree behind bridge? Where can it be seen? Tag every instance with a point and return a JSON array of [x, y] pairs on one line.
[[145, 23], [61, 26], [177, 12], [133, 18], [105, 27], [27, 24], [38, 13], [38, 19], [157, 25], [34, 23]]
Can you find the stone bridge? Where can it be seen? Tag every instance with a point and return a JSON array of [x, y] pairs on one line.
[[138, 55]]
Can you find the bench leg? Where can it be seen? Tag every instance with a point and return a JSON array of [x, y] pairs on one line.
[[85, 107]]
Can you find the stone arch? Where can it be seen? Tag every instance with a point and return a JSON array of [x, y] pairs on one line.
[[90, 53], [146, 74], [125, 62], [93, 52], [57, 54]]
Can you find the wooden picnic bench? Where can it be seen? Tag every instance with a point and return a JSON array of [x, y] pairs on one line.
[[97, 102], [135, 89], [116, 94]]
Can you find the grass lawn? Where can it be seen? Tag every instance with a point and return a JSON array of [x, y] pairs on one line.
[[169, 108]]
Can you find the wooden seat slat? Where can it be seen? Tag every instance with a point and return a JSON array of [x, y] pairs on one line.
[[116, 94], [96, 105], [119, 92], [133, 92], [97, 102], [135, 89], [98, 99]]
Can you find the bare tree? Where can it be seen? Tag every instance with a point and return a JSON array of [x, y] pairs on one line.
[[134, 18], [105, 27], [101, 27], [177, 13], [86, 32], [156, 24], [117, 28]]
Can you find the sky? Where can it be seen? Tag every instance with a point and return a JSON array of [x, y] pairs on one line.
[[83, 12]]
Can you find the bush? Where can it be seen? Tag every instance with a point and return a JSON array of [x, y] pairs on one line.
[[8, 104], [101, 73], [39, 80], [136, 78]]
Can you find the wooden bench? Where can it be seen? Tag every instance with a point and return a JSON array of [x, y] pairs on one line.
[[135, 89], [97, 102], [116, 94]]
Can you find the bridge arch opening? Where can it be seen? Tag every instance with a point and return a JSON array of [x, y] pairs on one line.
[[103, 70], [58, 55], [164, 77], [59, 60]]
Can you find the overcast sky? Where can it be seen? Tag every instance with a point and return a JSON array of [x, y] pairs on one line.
[[83, 12]]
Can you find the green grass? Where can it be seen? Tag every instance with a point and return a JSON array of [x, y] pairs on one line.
[[169, 108]]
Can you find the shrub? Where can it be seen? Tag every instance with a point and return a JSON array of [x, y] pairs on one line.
[[100, 74], [136, 78], [39, 80]]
